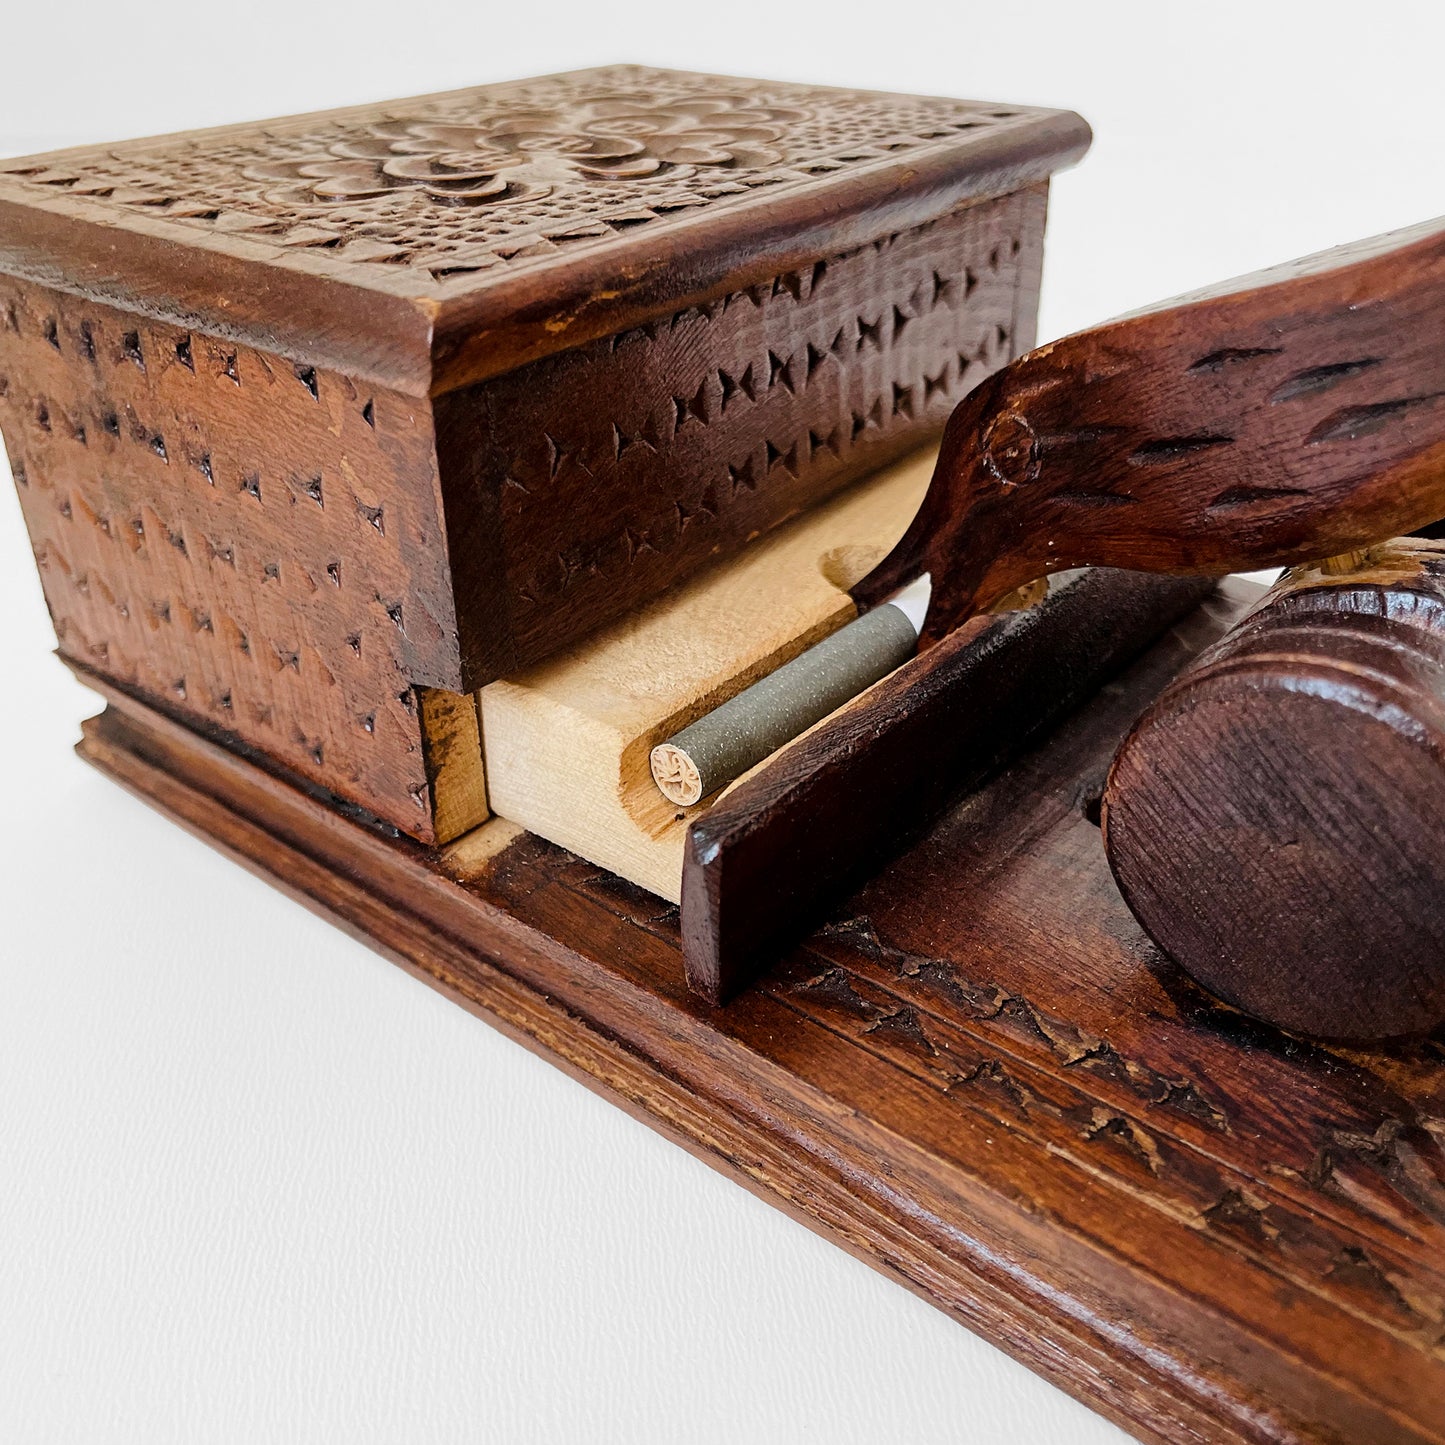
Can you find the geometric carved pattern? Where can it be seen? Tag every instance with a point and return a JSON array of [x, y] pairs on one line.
[[224, 533], [1340, 1207], [717, 421], [1322, 1167], [257, 545], [446, 190], [516, 359]]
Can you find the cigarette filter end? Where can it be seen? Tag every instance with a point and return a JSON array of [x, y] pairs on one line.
[[676, 775]]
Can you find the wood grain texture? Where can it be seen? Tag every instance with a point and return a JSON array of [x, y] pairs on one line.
[[451, 735], [778, 851], [1274, 819], [568, 741], [1281, 418], [978, 1076]]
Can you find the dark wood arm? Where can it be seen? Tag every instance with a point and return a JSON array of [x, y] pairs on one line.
[[1288, 416]]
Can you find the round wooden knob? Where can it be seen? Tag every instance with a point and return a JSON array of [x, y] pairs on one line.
[[1276, 820]]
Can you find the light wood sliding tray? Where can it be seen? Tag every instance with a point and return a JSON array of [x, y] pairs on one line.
[[978, 1077]]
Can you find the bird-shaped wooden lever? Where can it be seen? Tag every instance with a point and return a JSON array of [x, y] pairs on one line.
[[1291, 415], [1294, 415]]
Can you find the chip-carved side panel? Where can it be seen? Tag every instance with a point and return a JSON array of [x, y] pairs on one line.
[[255, 546], [586, 483]]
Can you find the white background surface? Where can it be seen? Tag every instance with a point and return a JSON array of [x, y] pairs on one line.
[[258, 1185]]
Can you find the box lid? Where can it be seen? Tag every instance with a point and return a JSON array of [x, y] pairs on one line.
[[432, 242]]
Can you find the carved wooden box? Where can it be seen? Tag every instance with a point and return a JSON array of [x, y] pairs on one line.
[[321, 424]]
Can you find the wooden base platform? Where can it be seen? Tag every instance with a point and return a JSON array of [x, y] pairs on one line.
[[979, 1078]]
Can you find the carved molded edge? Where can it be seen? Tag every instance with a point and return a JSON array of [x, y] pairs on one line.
[[1006, 1272], [1279, 1221]]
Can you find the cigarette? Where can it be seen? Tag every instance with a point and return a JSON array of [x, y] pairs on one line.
[[722, 745]]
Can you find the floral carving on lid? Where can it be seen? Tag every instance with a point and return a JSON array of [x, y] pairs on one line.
[[447, 190], [527, 155]]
